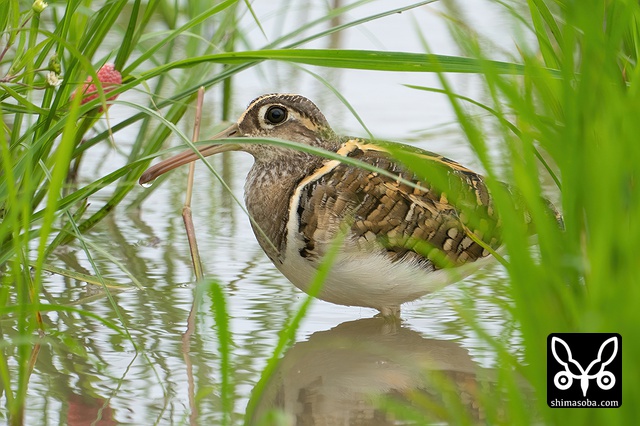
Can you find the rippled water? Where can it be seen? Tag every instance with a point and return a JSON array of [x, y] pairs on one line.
[[341, 356]]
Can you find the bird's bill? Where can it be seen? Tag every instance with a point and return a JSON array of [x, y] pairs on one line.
[[190, 155]]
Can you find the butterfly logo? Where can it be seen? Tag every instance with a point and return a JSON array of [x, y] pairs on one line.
[[564, 379]]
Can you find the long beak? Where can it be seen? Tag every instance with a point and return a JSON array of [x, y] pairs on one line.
[[190, 155]]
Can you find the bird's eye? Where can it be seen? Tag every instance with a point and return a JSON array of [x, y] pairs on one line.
[[275, 115]]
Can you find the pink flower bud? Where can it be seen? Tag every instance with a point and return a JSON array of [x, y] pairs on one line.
[[108, 76]]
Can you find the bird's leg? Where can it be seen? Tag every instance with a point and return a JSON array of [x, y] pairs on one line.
[[390, 312]]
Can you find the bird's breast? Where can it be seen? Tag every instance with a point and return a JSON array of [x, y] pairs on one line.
[[268, 192]]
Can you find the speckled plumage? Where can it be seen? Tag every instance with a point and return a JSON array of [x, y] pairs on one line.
[[402, 241]]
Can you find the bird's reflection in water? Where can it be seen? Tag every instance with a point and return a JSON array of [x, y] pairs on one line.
[[343, 376]]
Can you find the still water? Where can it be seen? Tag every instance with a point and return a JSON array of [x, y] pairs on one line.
[[343, 358]]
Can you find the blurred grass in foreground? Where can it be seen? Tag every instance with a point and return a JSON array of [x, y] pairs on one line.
[[575, 106]]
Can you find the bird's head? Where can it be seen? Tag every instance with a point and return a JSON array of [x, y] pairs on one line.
[[274, 116]]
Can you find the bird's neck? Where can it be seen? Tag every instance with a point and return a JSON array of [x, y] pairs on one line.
[[268, 192]]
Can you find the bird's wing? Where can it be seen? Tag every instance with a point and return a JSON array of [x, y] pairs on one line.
[[387, 215]]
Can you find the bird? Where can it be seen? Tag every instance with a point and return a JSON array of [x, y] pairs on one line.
[[397, 236]]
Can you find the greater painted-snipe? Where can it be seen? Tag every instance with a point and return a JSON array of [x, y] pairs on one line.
[[401, 242]]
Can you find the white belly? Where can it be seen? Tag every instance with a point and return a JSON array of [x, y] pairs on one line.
[[369, 280]]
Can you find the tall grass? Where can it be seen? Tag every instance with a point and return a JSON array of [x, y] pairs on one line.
[[582, 117], [568, 101], [575, 104]]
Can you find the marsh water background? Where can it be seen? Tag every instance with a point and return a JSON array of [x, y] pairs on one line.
[[100, 377]]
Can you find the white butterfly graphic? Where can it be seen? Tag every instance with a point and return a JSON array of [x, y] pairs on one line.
[[564, 379]]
